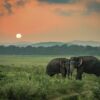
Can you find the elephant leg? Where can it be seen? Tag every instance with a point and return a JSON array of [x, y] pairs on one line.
[[79, 74], [63, 72], [69, 74]]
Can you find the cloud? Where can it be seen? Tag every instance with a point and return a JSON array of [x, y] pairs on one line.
[[7, 6], [82, 7], [1, 14], [63, 12], [57, 1], [86, 7], [21, 2], [94, 7]]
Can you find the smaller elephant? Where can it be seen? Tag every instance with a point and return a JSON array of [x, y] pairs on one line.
[[87, 64], [58, 65]]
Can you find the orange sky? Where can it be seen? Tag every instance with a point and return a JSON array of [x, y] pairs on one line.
[[49, 20]]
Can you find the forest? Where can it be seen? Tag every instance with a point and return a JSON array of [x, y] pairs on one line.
[[54, 50]]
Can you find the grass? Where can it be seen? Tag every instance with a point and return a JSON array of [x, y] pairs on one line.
[[24, 78], [25, 60]]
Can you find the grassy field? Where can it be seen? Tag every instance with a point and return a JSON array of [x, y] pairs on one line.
[[26, 60], [24, 78]]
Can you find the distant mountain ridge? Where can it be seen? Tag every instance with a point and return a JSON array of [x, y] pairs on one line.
[[50, 44], [39, 44], [85, 43]]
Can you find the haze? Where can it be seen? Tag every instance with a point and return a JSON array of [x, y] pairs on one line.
[[49, 20]]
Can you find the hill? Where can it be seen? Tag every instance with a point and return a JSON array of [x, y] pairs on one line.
[[50, 44]]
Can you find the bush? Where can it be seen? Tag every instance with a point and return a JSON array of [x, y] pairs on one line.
[[31, 83], [96, 92]]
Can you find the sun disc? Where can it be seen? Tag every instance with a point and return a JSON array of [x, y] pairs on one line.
[[18, 36]]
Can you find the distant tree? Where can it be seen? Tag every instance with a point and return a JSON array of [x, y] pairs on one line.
[[54, 50]]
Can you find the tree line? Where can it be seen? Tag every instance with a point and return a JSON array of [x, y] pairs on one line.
[[54, 50]]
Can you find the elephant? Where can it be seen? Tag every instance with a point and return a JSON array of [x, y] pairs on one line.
[[57, 66], [85, 64]]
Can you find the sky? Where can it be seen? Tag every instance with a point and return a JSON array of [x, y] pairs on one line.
[[49, 20]]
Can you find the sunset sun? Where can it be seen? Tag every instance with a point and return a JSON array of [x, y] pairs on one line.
[[18, 35]]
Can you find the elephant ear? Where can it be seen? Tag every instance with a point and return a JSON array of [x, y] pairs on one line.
[[80, 62]]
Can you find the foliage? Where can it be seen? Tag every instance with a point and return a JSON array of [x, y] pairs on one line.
[[30, 82], [54, 50]]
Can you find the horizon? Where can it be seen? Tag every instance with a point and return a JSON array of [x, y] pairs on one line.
[[52, 43], [49, 41]]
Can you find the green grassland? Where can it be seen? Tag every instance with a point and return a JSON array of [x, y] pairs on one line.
[[26, 60], [24, 78]]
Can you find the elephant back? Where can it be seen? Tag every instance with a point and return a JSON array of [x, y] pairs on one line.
[[53, 67]]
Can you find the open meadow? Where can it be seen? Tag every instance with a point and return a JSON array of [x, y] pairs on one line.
[[24, 78]]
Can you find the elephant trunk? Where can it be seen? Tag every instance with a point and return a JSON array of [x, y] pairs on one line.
[[71, 68]]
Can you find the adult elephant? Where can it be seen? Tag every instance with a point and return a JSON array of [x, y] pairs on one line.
[[58, 65], [87, 64]]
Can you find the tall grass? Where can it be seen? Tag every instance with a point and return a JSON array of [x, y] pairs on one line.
[[32, 83], [24, 78]]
